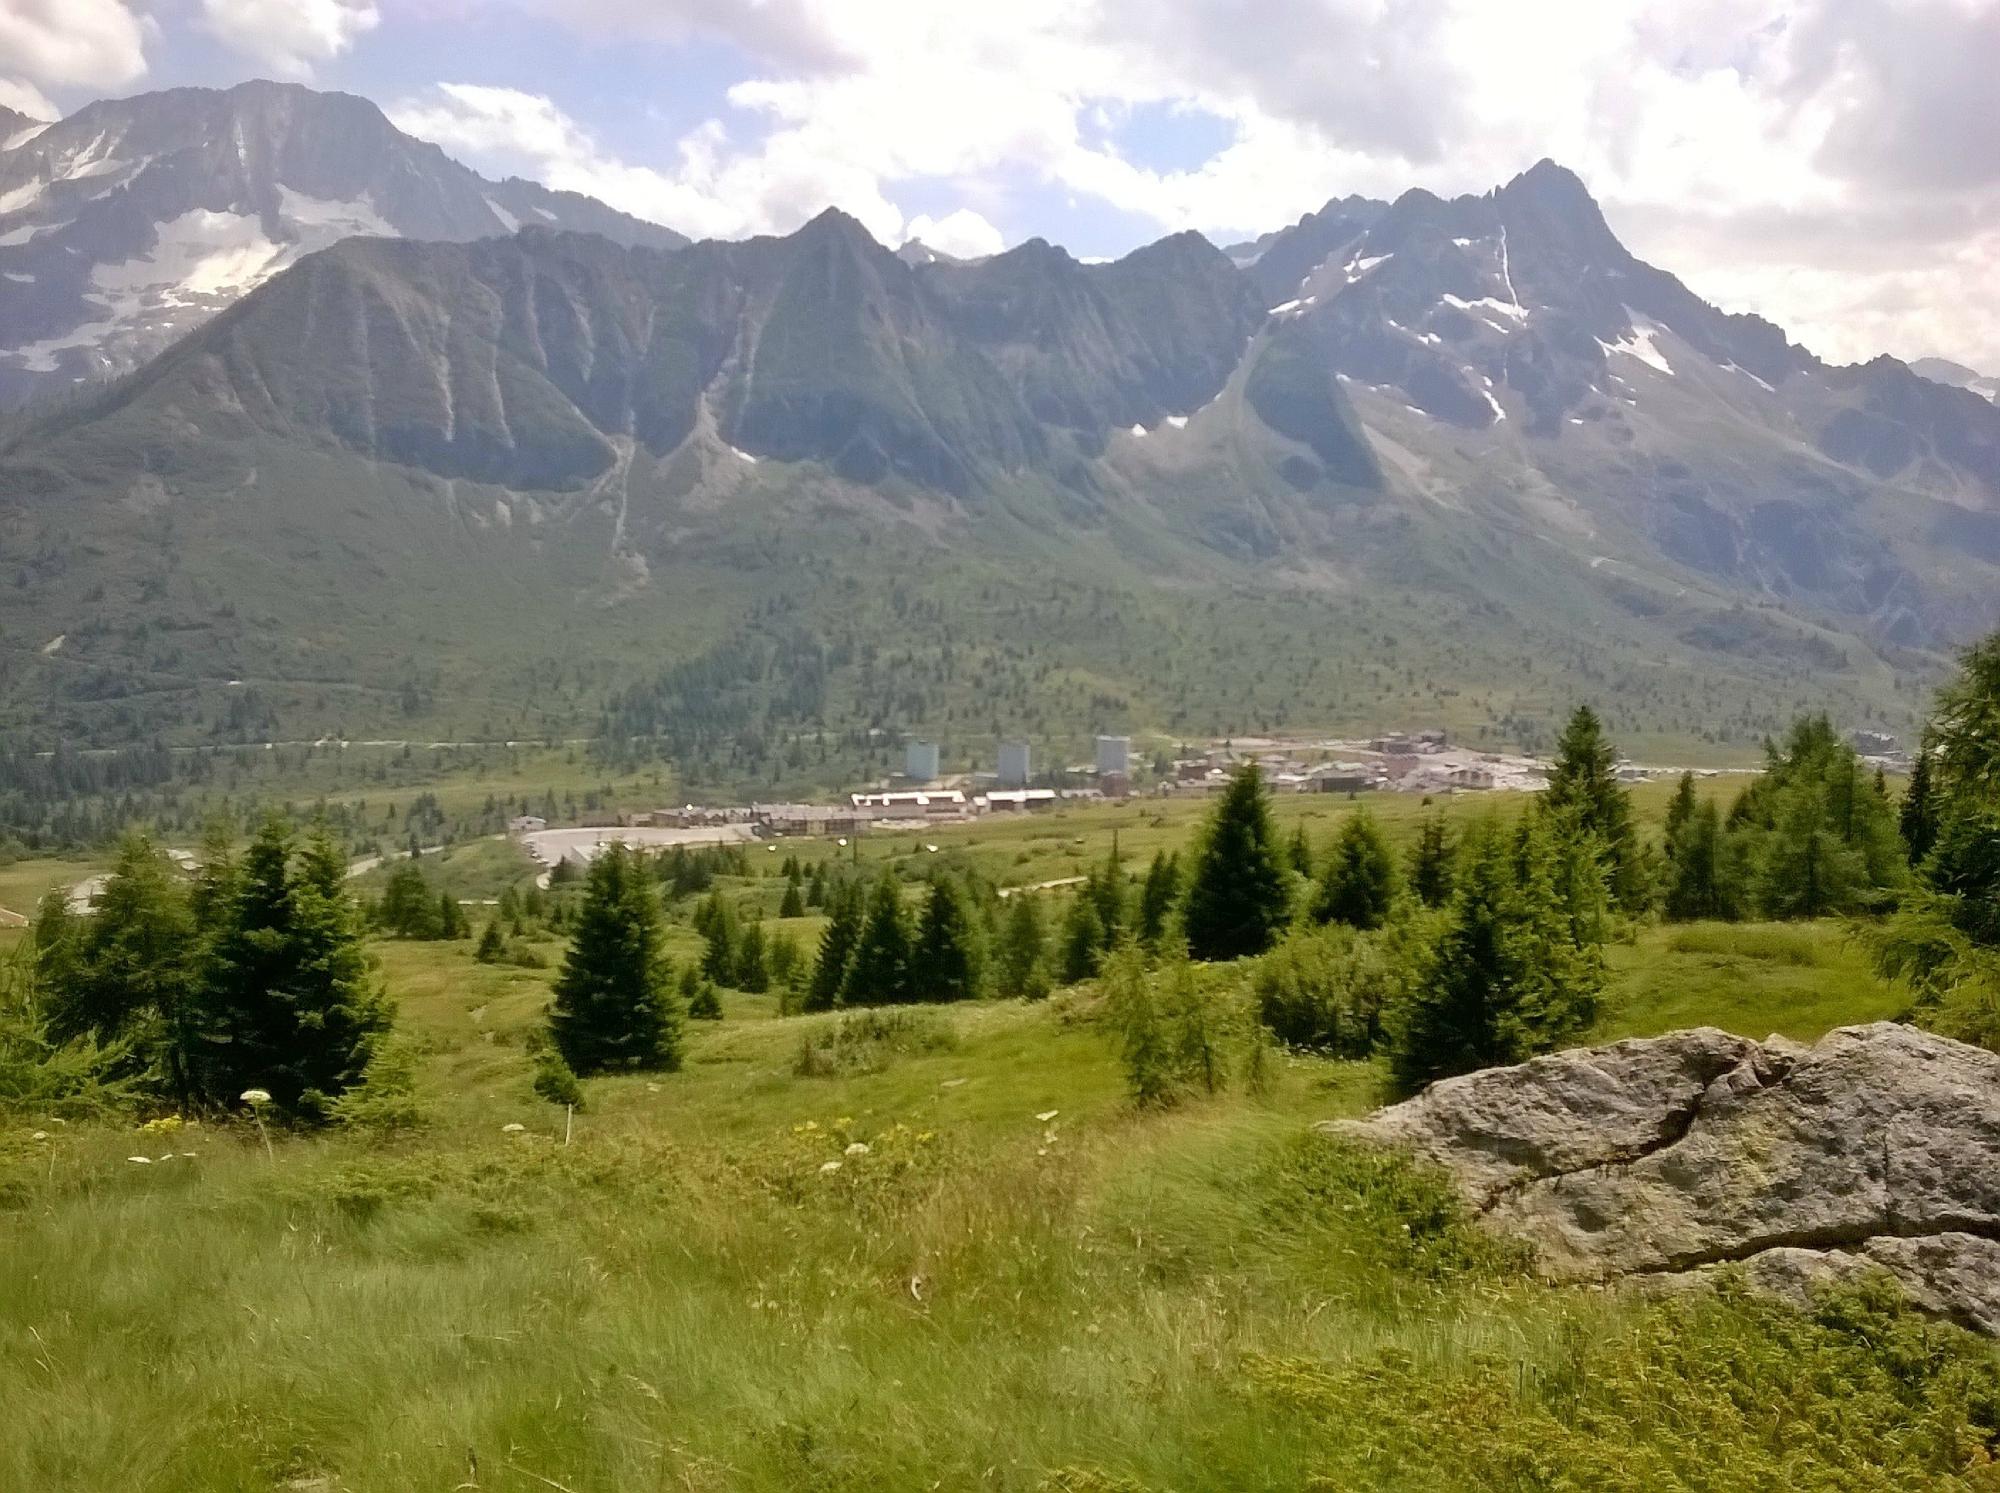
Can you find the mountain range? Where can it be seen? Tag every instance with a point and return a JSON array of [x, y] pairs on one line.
[[528, 464]]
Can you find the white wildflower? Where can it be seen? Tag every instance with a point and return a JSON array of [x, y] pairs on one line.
[[858, 1148], [513, 1129], [1047, 1115], [828, 1166], [256, 1096]]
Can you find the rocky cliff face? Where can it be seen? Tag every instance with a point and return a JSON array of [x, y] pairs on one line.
[[1664, 1159]]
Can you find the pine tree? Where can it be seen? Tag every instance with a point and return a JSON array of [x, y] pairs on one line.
[[492, 945], [1508, 977], [1299, 853], [705, 1004], [288, 1004], [716, 921], [450, 917], [1021, 971], [1105, 887], [1360, 883], [1236, 900], [1680, 812], [1157, 898], [948, 963], [214, 878], [752, 974], [1430, 875], [793, 905], [880, 972], [1703, 880], [836, 948], [1585, 782], [613, 1007], [1917, 818], [408, 908], [130, 971]]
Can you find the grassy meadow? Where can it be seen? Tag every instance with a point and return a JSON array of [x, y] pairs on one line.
[[935, 1250]]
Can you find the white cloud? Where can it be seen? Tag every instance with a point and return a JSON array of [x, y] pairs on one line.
[[1727, 109], [87, 43], [710, 191], [289, 36], [962, 234], [26, 98]]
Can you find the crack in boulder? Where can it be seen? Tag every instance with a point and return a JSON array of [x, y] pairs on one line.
[[1878, 1147]]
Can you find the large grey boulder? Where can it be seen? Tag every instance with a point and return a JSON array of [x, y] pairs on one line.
[[1877, 1147]]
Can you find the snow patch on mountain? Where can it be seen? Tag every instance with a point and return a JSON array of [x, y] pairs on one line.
[[1638, 343], [1513, 311], [507, 220], [330, 219], [16, 198], [197, 255]]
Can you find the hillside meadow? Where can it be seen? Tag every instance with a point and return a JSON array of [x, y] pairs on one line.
[[935, 1247]]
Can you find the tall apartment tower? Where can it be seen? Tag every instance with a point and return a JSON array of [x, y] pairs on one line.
[[1114, 756], [1014, 771], [920, 761]]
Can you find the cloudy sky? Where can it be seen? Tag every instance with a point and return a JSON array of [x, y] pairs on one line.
[[1833, 164]]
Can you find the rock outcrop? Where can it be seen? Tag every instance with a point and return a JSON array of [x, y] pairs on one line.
[[1666, 1157]]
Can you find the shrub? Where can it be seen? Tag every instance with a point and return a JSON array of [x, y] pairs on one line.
[[868, 1041], [1328, 989]]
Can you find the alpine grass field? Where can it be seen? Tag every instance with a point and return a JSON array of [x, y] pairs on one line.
[[933, 1247]]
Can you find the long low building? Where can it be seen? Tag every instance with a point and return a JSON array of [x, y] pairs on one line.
[[810, 819], [925, 803]]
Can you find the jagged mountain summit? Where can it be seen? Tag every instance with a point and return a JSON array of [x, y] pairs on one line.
[[1477, 436], [125, 225]]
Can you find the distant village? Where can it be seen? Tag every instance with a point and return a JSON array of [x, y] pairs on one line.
[[1422, 761]]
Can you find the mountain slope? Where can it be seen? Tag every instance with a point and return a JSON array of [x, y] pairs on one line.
[[1477, 461], [1515, 344], [131, 221]]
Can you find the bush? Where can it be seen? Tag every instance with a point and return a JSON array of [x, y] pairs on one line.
[[1329, 989], [1398, 1212], [868, 1041]]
